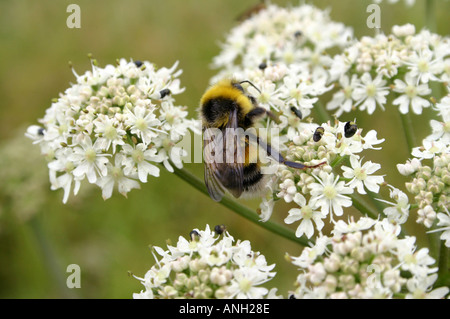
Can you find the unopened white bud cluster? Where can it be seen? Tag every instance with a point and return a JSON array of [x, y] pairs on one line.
[[324, 191], [366, 259], [208, 265], [429, 172]]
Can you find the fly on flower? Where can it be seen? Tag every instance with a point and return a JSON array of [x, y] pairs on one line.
[[231, 155]]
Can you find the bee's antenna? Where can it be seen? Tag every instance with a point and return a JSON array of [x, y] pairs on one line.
[[247, 81]]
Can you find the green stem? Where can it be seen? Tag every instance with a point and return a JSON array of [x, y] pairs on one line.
[[362, 206], [443, 265], [374, 199], [430, 15], [241, 209], [321, 112], [338, 160], [408, 130], [434, 244], [50, 259]]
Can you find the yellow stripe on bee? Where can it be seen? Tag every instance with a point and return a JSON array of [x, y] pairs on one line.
[[225, 90], [251, 153]]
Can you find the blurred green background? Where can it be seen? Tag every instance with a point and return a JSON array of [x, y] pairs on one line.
[[40, 236]]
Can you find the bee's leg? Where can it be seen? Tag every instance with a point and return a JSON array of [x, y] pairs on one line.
[[272, 116], [278, 157], [300, 165]]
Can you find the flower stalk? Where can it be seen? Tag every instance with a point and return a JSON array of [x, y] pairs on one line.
[[430, 15], [408, 129], [240, 209]]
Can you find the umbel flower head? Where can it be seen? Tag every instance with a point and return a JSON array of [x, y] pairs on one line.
[[429, 173], [400, 65], [112, 127], [209, 264], [284, 53], [325, 191], [366, 259]]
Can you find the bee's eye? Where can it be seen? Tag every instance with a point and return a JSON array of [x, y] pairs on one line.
[[239, 87]]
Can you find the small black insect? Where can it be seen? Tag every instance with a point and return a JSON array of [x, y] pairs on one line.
[[194, 235], [219, 229], [350, 129], [164, 93], [318, 133], [297, 112]]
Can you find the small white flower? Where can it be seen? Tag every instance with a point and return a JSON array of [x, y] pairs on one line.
[[138, 158], [400, 210], [444, 222], [359, 175], [117, 176], [307, 213], [370, 92], [244, 284], [89, 159], [108, 132], [143, 123], [429, 149], [342, 100], [413, 260], [420, 288], [363, 223], [329, 194], [411, 94], [298, 94], [424, 66]]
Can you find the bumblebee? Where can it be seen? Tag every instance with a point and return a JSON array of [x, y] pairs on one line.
[[230, 152]]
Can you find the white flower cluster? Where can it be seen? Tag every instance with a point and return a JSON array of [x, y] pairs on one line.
[[429, 171], [327, 190], [366, 259], [112, 127], [402, 64], [409, 3], [208, 265], [283, 52]]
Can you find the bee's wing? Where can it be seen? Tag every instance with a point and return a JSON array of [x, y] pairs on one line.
[[232, 169], [213, 184], [224, 159]]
